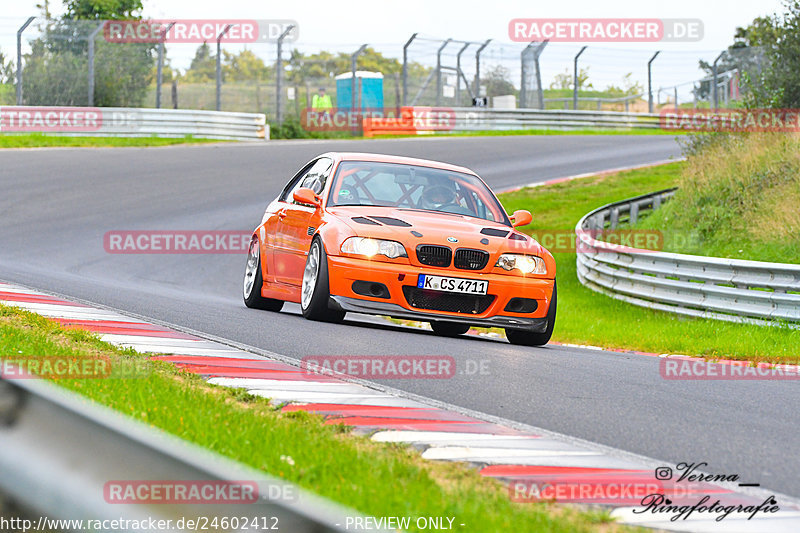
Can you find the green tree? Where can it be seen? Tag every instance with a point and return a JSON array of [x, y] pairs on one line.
[[56, 69], [203, 67], [244, 66], [565, 79], [102, 9], [629, 87], [498, 82]]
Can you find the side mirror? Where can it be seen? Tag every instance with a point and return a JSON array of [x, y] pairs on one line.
[[521, 218], [306, 196]]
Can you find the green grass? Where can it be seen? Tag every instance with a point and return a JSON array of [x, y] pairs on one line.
[[38, 140], [587, 317], [738, 198], [374, 478]]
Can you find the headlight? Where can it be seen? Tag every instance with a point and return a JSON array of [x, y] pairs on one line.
[[371, 247], [527, 264]]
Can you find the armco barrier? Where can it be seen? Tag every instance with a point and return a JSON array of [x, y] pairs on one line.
[[133, 122], [710, 287], [420, 120], [477, 119], [61, 453]]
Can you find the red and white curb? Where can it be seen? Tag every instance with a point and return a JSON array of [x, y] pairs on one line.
[[521, 457]]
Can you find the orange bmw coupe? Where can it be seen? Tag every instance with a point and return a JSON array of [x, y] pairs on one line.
[[405, 238]]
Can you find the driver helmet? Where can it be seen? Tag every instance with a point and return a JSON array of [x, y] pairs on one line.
[[438, 193]]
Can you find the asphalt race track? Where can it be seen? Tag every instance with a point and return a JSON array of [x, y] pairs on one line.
[[56, 205]]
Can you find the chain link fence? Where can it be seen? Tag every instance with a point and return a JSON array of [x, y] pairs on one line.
[[75, 63]]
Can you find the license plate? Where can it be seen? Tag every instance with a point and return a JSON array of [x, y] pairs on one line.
[[440, 283]]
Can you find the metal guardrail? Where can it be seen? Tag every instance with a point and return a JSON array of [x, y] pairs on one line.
[[59, 452], [475, 119], [725, 289], [134, 122]]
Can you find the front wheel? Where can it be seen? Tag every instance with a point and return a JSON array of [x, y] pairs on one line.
[[449, 329], [253, 281], [315, 290], [529, 338]]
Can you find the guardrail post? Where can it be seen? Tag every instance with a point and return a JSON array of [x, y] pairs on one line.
[[714, 70], [279, 77], [575, 80], [650, 83], [439, 72], [159, 75], [405, 69], [91, 62], [478, 68], [219, 66], [19, 58]]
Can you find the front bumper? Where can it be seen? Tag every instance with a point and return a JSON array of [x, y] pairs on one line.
[[343, 271], [354, 305]]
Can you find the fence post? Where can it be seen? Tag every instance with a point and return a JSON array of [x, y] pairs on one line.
[[439, 72], [19, 58], [159, 75], [575, 80], [405, 68], [650, 83], [279, 77], [91, 62], [714, 70], [539, 91], [459, 74], [478, 68], [353, 85], [219, 66]]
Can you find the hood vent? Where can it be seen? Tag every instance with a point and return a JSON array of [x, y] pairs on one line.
[[389, 221], [365, 220], [494, 232]]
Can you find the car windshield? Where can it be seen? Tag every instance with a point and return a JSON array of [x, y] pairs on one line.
[[414, 187]]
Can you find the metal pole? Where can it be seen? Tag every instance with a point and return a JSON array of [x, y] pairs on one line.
[[478, 67], [219, 66], [405, 69], [91, 62], [714, 68], [353, 65], [439, 72], [458, 73], [575, 80], [279, 77], [19, 58], [523, 90], [650, 83], [539, 91], [159, 75], [676, 97]]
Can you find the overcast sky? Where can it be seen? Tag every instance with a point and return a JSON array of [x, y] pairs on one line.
[[345, 24]]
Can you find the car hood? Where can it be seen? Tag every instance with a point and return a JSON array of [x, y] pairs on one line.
[[406, 226]]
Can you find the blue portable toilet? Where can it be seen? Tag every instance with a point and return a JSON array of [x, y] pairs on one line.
[[369, 90]]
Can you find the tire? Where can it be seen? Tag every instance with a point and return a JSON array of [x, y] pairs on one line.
[[529, 338], [253, 281], [449, 329], [315, 290]]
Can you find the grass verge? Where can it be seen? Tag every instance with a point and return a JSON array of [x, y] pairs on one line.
[[374, 478], [738, 198], [587, 317], [39, 140]]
